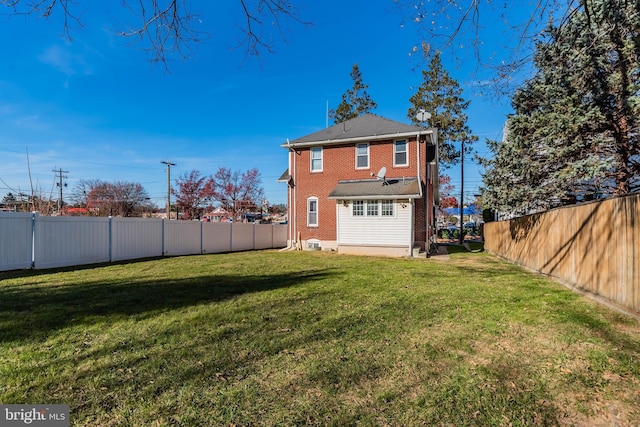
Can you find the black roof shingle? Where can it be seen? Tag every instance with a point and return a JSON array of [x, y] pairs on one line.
[[361, 127]]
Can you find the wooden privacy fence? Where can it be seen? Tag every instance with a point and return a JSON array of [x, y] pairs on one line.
[[33, 241], [593, 246]]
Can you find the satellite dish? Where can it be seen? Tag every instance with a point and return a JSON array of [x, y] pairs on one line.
[[423, 115], [382, 173]]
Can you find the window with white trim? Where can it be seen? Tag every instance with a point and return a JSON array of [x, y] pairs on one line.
[[316, 159], [362, 156], [312, 211], [400, 153], [387, 208], [358, 208], [372, 208]]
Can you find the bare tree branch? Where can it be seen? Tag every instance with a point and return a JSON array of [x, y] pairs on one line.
[[450, 25], [169, 27], [278, 11], [45, 8]]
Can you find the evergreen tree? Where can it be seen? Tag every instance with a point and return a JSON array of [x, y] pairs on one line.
[[355, 101], [9, 201], [576, 119], [441, 96]]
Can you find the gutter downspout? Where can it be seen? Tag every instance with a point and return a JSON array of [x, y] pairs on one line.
[[413, 227], [291, 199], [294, 192]]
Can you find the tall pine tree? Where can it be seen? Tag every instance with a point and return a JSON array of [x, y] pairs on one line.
[[355, 101], [441, 96]]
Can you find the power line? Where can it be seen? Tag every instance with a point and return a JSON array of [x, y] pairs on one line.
[[114, 165], [61, 174]]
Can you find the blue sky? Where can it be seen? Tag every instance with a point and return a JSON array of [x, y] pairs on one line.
[[96, 107]]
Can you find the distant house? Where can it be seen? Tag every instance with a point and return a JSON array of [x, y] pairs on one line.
[[219, 214], [365, 186], [75, 211]]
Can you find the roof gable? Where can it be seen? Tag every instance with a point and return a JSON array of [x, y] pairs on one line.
[[361, 127]]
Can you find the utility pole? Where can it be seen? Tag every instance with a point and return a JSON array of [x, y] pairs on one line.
[[61, 175], [462, 194], [169, 164]]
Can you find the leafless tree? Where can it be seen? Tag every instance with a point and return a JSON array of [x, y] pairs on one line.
[[454, 27], [169, 27], [120, 198]]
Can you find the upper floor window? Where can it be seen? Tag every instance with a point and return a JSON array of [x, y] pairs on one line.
[[400, 153], [312, 211], [362, 156], [316, 159]]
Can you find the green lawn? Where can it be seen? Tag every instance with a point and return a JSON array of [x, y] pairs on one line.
[[314, 338]]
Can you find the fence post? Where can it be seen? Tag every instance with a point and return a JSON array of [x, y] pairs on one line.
[[201, 237], [110, 239], [163, 237], [33, 239]]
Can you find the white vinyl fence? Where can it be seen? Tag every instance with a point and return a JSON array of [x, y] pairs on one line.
[[33, 241]]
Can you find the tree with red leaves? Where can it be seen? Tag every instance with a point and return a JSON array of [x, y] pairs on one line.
[[238, 192], [446, 189], [194, 194]]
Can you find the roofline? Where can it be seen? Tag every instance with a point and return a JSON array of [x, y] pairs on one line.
[[429, 131], [374, 197], [377, 197]]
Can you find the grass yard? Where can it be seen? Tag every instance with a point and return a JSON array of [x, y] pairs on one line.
[[314, 338]]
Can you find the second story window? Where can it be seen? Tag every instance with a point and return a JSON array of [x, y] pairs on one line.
[[362, 156], [400, 153], [316, 159]]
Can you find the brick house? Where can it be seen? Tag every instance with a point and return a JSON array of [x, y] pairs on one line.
[[364, 186]]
